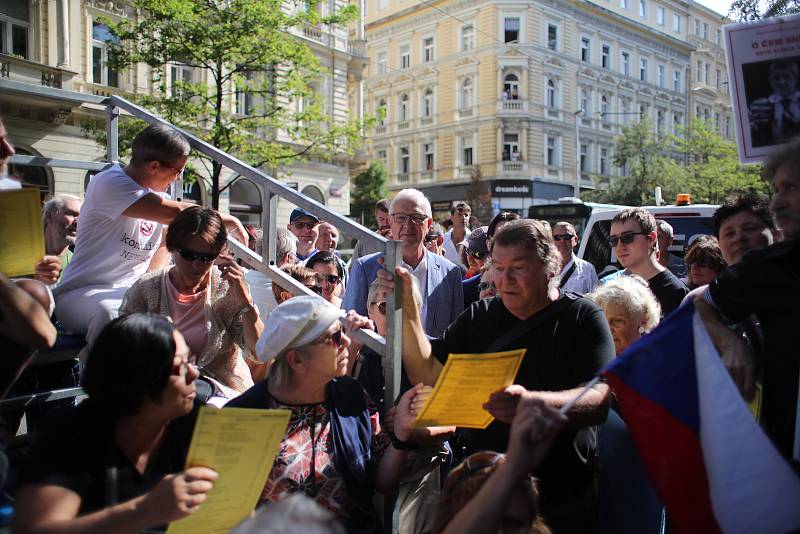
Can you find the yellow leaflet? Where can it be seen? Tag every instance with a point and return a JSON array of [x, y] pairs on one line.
[[240, 444], [464, 385], [21, 231]]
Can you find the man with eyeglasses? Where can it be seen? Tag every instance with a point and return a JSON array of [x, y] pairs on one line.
[[577, 276], [455, 236], [119, 235], [439, 279], [635, 241], [305, 227]]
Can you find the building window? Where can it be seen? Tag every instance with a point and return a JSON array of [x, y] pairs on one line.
[[405, 108], [677, 119], [510, 147], [623, 4], [551, 153], [697, 27], [660, 16], [676, 23], [243, 100], [719, 79], [643, 8], [603, 161], [427, 103], [427, 50], [384, 112], [427, 156], [404, 160], [643, 69], [383, 4], [718, 39], [624, 110], [605, 57], [586, 49], [586, 102], [625, 63], [603, 107], [552, 102], [405, 56], [382, 62], [180, 74], [705, 30], [707, 74], [381, 156], [552, 37], [511, 87], [660, 75], [14, 36], [466, 151], [727, 126], [676, 80], [102, 41], [660, 120], [584, 157], [466, 93], [511, 29], [467, 37], [699, 73]]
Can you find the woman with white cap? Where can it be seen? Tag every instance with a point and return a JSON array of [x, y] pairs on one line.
[[334, 449]]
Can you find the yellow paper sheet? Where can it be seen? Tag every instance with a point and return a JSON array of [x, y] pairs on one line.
[[21, 231], [464, 385], [240, 444]]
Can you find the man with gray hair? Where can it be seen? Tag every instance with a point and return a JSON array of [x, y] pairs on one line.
[[665, 257], [60, 217], [439, 279], [285, 247], [120, 234], [567, 342]]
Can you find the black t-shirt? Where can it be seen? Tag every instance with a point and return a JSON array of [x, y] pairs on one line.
[[564, 351], [79, 452], [767, 283], [669, 291], [373, 381]]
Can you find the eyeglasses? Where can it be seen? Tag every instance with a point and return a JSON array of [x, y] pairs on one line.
[[304, 225], [336, 339], [403, 218], [191, 255], [381, 307], [331, 279], [626, 238], [564, 237], [178, 172], [183, 368], [315, 289], [431, 238], [477, 255], [483, 286]]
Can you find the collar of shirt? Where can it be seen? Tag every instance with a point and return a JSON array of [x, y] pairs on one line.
[[421, 268], [568, 264]]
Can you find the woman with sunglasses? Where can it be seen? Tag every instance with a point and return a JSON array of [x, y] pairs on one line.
[[304, 275], [205, 295], [327, 265], [115, 463], [334, 449]]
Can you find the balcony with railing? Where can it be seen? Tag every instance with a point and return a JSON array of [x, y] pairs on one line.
[[512, 108], [512, 168], [19, 69]]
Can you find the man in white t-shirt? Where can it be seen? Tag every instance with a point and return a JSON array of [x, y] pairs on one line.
[[459, 216], [119, 234]]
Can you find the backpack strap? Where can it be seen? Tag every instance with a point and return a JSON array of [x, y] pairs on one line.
[[525, 326]]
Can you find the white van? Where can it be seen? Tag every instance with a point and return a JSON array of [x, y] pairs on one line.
[[688, 222]]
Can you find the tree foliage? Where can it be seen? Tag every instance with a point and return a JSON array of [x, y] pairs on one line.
[[744, 10], [367, 188], [698, 161], [256, 74]]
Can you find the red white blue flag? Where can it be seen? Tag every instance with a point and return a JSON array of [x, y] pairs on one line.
[[713, 467]]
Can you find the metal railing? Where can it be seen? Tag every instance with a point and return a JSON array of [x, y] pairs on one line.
[[390, 348]]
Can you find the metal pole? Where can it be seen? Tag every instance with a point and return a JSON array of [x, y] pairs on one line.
[[577, 192], [269, 226], [112, 133]]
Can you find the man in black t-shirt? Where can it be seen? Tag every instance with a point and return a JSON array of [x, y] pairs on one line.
[[635, 240], [567, 341]]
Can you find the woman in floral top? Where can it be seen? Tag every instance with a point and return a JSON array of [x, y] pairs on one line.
[[334, 449]]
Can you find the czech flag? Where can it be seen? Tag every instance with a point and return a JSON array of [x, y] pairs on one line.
[[713, 467]]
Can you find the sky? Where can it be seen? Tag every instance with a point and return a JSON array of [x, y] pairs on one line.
[[720, 6]]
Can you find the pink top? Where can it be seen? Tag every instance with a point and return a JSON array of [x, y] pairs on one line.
[[188, 315]]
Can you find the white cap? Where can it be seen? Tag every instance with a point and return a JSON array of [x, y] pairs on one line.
[[294, 323]]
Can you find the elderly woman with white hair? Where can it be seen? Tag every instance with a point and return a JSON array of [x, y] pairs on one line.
[[334, 449], [631, 309]]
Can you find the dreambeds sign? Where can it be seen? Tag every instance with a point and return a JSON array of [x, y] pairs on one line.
[[512, 188]]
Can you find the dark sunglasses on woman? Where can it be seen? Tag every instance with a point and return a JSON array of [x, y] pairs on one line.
[[191, 255]]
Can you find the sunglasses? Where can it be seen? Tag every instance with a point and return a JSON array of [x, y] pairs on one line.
[[381, 307], [563, 237], [331, 279], [403, 218], [315, 289], [336, 339], [304, 225], [626, 238], [477, 255], [191, 255]]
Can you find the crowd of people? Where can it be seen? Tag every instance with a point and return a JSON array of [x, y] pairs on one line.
[[172, 322]]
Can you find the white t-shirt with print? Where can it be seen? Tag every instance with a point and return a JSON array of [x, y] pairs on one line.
[[110, 248]]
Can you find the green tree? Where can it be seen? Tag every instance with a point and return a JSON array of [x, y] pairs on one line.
[[367, 188], [478, 196], [713, 170], [645, 156], [757, 9], [260, 97]]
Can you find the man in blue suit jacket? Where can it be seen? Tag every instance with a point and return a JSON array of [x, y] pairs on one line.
[[439, 279]]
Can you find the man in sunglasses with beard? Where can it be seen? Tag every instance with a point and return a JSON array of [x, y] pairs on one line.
[[577, 275], [635, 241]]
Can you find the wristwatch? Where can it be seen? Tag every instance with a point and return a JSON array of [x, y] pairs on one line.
[[247, 308], [401, 445]]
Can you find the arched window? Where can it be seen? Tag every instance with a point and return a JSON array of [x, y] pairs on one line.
[[427, 103], [466, 93], [511, 86], [32, 175], [551, 94], [405, 107], [312, 191], [245, 201]]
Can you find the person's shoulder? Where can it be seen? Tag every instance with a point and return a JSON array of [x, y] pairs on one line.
[[613, 276], [667, 278], [255, 397], [369, 259], [438, 259]]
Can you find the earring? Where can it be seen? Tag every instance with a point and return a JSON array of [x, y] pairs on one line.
[[641, 330]]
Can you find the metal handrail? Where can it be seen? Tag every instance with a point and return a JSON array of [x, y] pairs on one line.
[[390, 347]]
